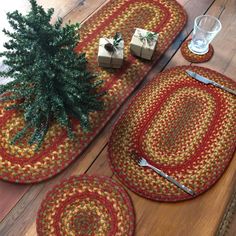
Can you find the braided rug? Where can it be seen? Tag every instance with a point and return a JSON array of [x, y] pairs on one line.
[[86, 206], [19, 163], [195, 58], [181, 126]]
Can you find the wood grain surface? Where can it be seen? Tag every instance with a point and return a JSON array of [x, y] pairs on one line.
[[19, 203]]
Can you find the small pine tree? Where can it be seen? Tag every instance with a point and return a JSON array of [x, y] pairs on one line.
[[50, 82]]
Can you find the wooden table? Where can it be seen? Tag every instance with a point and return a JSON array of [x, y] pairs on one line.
[[201, 216]]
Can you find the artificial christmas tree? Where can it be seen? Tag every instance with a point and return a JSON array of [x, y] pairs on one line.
[[51, 82]]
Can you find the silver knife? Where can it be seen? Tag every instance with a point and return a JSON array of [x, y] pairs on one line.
[[208, 81]]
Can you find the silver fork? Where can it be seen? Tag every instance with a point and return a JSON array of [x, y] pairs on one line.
[[143, 162]]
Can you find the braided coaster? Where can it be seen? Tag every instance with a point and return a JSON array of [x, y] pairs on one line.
[[19, 163], [192, 57], [86, 206], [181, 126]]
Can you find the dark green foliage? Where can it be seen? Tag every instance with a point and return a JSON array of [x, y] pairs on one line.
[[149, 37], [116, 40], [51, 82]]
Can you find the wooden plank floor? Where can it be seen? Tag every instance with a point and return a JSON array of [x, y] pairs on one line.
[[201, 216]]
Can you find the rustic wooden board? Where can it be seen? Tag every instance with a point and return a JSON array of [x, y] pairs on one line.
[[200, 216]]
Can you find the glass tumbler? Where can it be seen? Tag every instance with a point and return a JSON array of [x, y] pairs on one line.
[[205, 29]]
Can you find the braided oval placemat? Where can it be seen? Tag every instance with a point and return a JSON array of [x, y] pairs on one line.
[[86, 206], [19, 163], [181, 126]]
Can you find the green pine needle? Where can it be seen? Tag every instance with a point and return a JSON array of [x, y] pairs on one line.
[[51, 82]]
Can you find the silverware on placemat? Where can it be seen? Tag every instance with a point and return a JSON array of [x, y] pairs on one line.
[[208, 81], [144, 163]]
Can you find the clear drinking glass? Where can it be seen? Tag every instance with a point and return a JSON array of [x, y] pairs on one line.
[[205, 29]]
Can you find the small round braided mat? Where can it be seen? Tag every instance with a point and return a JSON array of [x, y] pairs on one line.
[[86, 206], [181, 126], [192, 57]]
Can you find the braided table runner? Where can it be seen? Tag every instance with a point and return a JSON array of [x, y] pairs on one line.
[[181, 126], [86, 206], [19, 163]]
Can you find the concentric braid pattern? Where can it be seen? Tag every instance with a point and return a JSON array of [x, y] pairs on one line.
[[181, 126], [86, 206]]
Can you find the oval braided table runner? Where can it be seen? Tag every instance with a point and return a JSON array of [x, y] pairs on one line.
[[86, 206], [19, 163], [181, 126]]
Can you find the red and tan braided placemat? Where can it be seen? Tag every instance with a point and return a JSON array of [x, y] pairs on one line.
[[19, 163], [181, 126], [195, 58], [84, 206]]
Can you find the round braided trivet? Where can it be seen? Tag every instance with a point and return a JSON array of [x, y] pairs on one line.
[[192, 57], [19, 163], [181, 126], [86, 206]]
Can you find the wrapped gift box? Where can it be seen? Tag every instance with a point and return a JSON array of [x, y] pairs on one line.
[[110, 59], [143, 43]]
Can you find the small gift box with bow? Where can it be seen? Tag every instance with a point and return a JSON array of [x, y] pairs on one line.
[[110, 52], [143, 43]]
